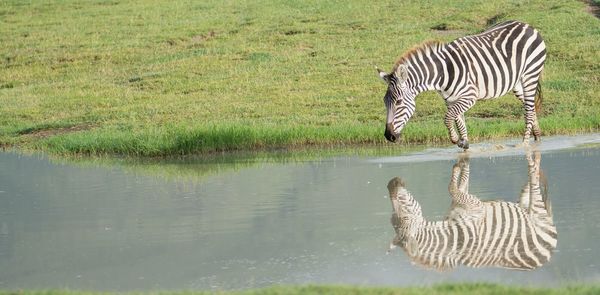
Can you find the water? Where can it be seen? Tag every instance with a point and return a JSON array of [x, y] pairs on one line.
[[327, 221]]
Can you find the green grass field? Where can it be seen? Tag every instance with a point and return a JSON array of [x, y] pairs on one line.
[[156, 78], [447, 289]]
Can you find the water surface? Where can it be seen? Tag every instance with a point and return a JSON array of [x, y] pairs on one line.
[[325, 221]]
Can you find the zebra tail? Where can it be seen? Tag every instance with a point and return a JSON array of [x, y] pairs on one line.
[[538, 98]]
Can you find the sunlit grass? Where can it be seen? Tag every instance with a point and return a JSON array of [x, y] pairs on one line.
[[166, 78]]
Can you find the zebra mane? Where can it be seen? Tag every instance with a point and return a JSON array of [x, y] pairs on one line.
[[425, 47], [441, 265]]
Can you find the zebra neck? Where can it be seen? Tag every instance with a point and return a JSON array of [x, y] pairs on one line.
[[432, 226], [435, 224], [418, 222], [426, 69]]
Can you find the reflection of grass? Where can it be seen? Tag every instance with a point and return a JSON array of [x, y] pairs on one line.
[[199, 166], [590, 145], [152, 79], [439, 289]]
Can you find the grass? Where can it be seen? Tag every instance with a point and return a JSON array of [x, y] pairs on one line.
[[480, 289], [156, 78]]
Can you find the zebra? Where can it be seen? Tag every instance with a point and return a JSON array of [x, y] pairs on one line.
[[477, 233], [509, 55]]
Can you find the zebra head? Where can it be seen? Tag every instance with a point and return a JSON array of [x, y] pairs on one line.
[[407, 216], [399, 102]]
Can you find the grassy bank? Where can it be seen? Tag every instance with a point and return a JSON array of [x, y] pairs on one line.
[[160, 78], [450, 289]]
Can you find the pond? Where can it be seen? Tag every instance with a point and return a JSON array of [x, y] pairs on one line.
[[330, 220]]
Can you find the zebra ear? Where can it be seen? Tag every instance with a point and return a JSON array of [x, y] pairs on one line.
[[402, 72], [383, 75], [391, 248]]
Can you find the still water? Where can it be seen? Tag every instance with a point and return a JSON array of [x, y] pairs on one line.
[[189, 225]]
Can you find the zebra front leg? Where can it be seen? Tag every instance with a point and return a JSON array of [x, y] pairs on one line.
[[449, 120], [463, 184], [462, 130], [459, 185], [457, 111], [459, 181], [453, 186]]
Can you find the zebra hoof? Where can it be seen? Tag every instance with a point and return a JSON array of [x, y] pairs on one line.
[[463, 144]]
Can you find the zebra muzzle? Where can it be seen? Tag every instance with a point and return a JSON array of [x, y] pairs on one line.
[[389, 133]]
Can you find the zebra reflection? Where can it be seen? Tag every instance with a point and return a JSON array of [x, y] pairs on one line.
[[477, 233]]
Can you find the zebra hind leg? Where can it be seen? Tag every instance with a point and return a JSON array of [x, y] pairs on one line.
[[534, 195], [531, 123], [531, 94], [537, 132]]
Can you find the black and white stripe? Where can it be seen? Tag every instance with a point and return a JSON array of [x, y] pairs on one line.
[[508, 56], [475, 233]]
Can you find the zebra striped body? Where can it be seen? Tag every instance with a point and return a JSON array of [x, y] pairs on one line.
[[508, 56], [475, 233]]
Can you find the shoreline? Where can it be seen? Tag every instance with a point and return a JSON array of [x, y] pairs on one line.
[[458, 288]]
